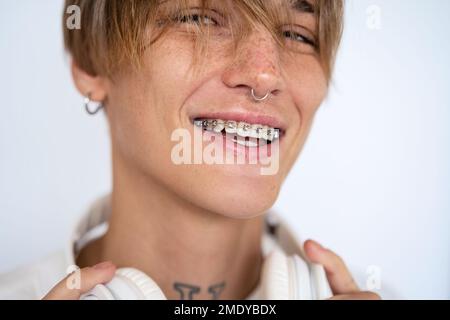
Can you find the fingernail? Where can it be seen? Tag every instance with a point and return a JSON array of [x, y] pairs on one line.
[[103, 265], [318, 245]]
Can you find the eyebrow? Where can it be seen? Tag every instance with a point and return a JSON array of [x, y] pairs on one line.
[[303, 6]]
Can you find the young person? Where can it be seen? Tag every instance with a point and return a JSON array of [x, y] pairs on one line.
[[239, 70]]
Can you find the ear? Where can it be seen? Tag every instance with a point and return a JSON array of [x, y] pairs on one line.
[[88, 84]]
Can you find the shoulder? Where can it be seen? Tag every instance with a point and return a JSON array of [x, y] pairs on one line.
[[33, 281]]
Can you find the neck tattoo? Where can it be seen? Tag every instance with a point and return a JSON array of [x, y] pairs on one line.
[[187, 291]]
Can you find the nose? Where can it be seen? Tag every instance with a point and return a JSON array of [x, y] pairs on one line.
[[256, 65]]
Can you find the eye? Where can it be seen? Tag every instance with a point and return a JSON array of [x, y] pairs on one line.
[[295, 36], [197, 19]]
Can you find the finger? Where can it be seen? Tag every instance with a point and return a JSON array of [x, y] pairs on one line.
[[82, 281], [362, 295], [339, 277]]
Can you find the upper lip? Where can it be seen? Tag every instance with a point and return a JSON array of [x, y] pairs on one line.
[[249, 117]]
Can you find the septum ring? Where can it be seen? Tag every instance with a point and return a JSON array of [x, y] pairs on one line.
[[87, 103], [258, 98]]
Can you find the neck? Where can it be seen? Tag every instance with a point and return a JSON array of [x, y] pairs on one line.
[[191, 253]]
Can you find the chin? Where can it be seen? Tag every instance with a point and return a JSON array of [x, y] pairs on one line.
[[235, 191], [244, 208]]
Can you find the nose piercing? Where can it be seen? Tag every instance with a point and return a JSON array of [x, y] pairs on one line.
[[259, 98]]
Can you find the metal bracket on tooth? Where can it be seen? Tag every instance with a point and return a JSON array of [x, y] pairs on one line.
[[276, 134], [198, 123], [205, 123]]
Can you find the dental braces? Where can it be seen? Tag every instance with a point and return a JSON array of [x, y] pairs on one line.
[[232, 126]]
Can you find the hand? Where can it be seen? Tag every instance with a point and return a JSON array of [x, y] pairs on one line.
[[89, 277], [341, 281]]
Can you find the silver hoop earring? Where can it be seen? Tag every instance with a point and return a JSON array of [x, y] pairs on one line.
[[87, 103], [259, 98]]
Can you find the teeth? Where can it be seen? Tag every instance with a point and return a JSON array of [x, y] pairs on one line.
[[242, 129], [219, 126], [276, 134], [263, 133], [246, 143], [255, 131], [270, 134], [231, 127], [251, 143]]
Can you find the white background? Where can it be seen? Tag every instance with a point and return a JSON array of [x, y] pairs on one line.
[[372, 183]]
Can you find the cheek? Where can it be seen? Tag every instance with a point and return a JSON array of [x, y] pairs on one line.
[[130, 117], [308, 88], [147, 103], [146, 107]]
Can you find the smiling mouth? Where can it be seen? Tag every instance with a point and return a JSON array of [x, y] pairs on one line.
[[242, 133]]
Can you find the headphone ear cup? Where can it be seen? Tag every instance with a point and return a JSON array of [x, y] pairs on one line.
[[127, 284], [319, 284], [286, 278], [100, 292], [274, 277], [299, 279], [132, 284]]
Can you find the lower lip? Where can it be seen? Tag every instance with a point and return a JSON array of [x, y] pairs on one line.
[[252, 155]]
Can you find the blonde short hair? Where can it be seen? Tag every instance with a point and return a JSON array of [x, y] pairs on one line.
[[114, 33]]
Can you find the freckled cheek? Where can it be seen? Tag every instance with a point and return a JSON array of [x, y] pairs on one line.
[[144, 106], [168, 83]]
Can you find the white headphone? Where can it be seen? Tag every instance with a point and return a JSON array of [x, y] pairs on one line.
[[285, 274], [283, 278]]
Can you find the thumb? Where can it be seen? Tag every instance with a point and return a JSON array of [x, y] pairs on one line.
[[81, 282], [338, 275]]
